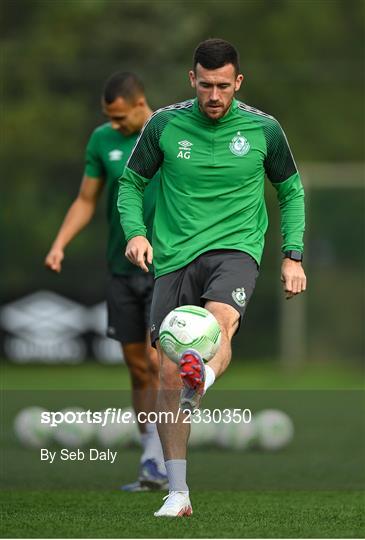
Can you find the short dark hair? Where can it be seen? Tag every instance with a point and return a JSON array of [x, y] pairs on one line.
[[123, 84], [215, 53]]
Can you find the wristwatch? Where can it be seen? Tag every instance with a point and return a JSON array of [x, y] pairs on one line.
[[294, 255]]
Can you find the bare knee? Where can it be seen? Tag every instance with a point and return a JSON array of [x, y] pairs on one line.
[[227, 317], [169, 375], [135, 358], [153, 362]]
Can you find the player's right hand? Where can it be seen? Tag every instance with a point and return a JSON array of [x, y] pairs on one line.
[[139, 252], [54, 259]]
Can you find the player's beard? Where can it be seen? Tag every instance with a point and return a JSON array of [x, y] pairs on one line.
[[218, 106]]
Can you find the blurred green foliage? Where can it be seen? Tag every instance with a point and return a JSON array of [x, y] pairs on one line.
[[302, 61]]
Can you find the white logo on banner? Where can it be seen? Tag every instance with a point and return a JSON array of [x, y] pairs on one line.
[[45, 327]]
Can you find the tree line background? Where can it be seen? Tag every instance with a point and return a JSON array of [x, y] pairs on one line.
[[303, 63]]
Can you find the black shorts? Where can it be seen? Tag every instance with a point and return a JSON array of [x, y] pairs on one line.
[[129, 304], [221, 275]]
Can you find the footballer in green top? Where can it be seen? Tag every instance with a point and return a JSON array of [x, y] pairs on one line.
[[212, 183], [214, 153], [106, 155], [129, 289]]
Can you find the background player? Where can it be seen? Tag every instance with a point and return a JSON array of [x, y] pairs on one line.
[[129, 289]]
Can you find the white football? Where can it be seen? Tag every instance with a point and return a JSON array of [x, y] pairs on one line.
[[274, 429], [202, 434], [119, 434], [236, 436], [190, 327], [71, 433], [29, 429]]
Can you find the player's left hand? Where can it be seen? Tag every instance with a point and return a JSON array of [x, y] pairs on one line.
[[293, 278]]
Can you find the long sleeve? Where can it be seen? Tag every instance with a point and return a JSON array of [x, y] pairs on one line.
[[283, 174], [292, 217]]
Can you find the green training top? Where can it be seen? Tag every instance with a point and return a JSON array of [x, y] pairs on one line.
[[106, 155], [211, 194]]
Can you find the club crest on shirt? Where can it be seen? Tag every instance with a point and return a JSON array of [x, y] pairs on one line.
[[239, 145], [239, 296], [115, 155]]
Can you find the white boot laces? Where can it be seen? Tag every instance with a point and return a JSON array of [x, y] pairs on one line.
[[169, 498]]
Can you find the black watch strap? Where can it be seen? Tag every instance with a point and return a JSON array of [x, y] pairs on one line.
[[294, 255]]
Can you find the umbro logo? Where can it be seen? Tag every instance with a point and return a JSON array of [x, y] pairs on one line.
[[46, 327], [185, 144], [115, 155], [184, 149]]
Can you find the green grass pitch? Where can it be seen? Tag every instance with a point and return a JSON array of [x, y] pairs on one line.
[[313, 488], [216, 515]]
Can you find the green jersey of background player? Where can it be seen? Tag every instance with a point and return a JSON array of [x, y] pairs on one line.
[[129, 289], [213, 153]]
